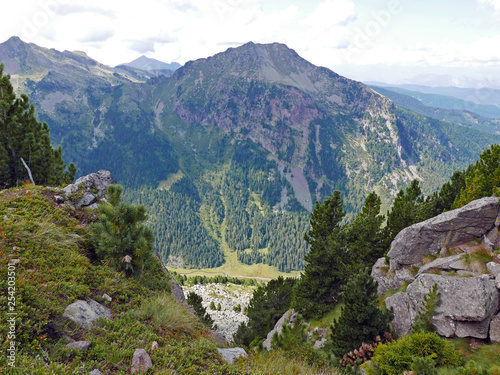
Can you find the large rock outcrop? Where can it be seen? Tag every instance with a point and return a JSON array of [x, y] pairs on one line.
[[88, 190], [450, 229], [288, 318], [435, 252]]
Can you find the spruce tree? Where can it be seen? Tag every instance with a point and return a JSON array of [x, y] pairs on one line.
[[318, 288], [364, 235], [22, 137], [120, 236], [360, 320], [196, 302], [409, 207], [484, 178]]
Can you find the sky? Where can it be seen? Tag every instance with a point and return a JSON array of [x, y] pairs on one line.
[[369, 40]]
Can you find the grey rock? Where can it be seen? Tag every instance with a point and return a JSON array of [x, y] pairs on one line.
[[404, 316], [390, 279], [449, 229], [87, 200], [229, 355], [440, 263], [95, 372], [141, 362], [177, 292], [5, 217], [59, 199], [288, 317], [14, 262], [83, 313], [94, 184], [107, 298], [445, 326], [318, 344], [79, 345], [478, 330], [218, 338], [466, 273], [495, 329], [493, 268], [462, 299], [459, 265]]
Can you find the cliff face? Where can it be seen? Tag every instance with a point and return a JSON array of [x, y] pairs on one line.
[[459, 252]]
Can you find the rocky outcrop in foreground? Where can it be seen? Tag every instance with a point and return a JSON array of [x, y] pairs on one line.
[[452, 251]]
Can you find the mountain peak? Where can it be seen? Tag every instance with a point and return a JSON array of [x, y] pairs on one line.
[[146, 63]]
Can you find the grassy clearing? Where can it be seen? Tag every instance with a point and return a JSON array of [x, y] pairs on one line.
[[171, 179], [234, 268]]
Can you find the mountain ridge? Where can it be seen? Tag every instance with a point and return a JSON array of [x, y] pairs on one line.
[[256, 134]]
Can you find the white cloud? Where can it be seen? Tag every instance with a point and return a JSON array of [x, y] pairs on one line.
[[494, 3]]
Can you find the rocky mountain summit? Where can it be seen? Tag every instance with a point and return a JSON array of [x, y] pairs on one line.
[[459, 252]]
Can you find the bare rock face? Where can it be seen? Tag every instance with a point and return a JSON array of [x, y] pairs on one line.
[[447, 230], [288, 317], [404, 315], [90, 189], [79, 345], [141, 362], [83, 313], [467, 305]]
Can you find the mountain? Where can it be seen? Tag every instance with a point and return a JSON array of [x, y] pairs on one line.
[[231, 151], [146, 63], [408, 100], [482, 96]]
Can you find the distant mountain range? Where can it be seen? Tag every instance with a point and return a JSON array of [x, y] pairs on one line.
[[225, 141], [146, 63]]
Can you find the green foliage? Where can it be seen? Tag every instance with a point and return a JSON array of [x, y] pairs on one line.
[[360, 320], [178, 233], [23, 137], [195, 301], [398, 356], [121, 233], [409, 207], [483, 180], [293, 341], [269, 302], [431, 301], [326, 270], [364, 235], [424, 366]]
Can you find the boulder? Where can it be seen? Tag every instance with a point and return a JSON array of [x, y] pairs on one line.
[[447, 230], [288, 317], [478, 330], [83, 313], [79, 345], [495, 329], [141, 362], [440, 264], [92, 186], [95, 372], [229, 355], [404, 316], [462, 298]]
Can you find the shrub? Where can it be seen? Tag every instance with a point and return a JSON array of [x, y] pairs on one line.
[[120, 236], [195, 300], [398, 356]]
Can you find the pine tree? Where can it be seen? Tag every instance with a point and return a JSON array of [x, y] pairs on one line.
[[364, 235], [196, 302], [484, 179], [317, 290], [409, 207], [120, 236], [23, 137], [360, 320]]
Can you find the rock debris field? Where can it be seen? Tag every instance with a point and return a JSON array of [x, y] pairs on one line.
[[228, 296]]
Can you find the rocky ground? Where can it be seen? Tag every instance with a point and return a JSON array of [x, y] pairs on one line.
[[228, 296]]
